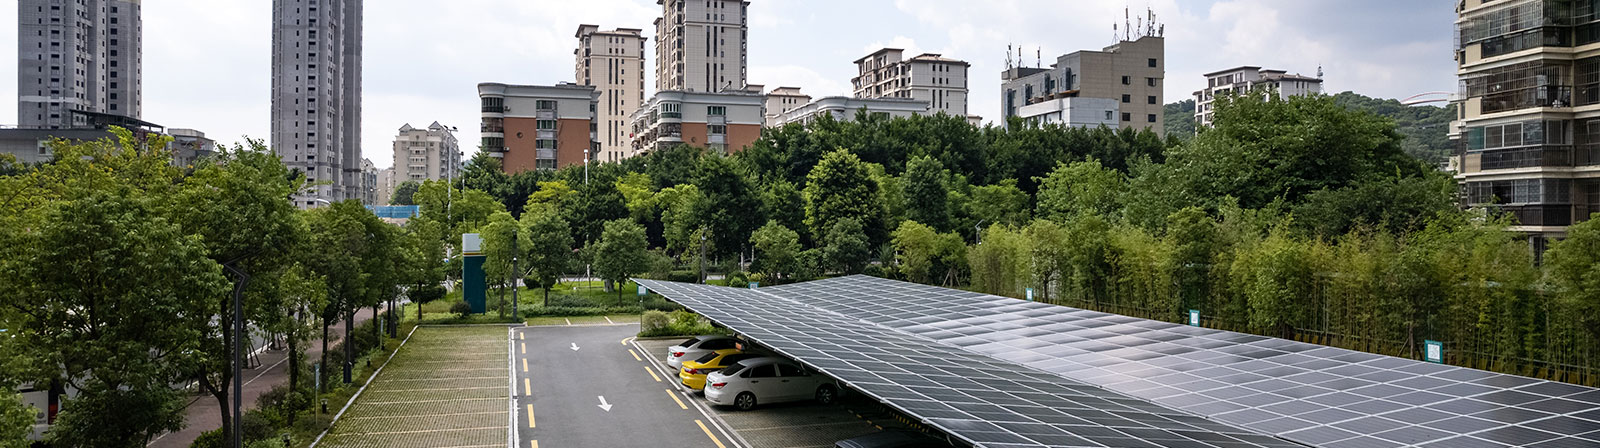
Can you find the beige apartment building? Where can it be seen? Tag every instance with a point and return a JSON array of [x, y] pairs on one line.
[[1528, 128], [613, 63], [423, 154], [702, 45], [539, 127], [782, 100], [939, 81], [1131, 72], [1249, 79], [721, 122]]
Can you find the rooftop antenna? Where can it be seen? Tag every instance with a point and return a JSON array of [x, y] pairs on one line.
[[1115, 34], [1319, 71], [1008, 56], [1127, 25], [1038, 57]]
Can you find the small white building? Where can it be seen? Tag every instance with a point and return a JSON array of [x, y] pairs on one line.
[[1072, 111], [782, 100], [844, 108], [1245, 79]]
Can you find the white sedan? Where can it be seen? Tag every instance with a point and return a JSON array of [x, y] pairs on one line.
[[696, 347], [767, 380]]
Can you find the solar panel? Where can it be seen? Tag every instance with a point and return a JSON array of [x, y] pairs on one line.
[[982, 400], [1311, 394]]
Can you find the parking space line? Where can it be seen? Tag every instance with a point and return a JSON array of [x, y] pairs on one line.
[[635, 355], [608, 320], [653, 373], [530, 416], [527, 389], [709, 434], [675, 398], [569, 321]]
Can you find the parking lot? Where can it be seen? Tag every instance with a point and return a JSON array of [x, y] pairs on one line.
[[445, 388], [803, 424]]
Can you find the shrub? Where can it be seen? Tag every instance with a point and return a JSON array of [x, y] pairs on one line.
[[684, 319], [256, 426], [653, 322], [875, 271], [569, 301], [660, 304], [461, 309], [209, 439], [683, 276]]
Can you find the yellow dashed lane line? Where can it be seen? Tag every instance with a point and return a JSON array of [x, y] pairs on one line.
[[675, 398], [709, 434], [635, 355], [530, 416], [652, 373]]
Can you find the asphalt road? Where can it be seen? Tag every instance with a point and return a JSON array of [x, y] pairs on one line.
[[562, 387]]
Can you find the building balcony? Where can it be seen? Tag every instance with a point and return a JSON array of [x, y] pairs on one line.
[[545, 135], [546, 154], [1542, 96], [545, 114], [1547, 156]]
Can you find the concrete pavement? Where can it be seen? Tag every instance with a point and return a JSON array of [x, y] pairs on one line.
[[559, 389]]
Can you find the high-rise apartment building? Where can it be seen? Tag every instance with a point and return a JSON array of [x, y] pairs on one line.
[[702, 45], [423, 154], [1528, 128], [1249, 79], [1130, 72], [932, 78], [76, 59], [613, 63], [316, 95], [539, 127]]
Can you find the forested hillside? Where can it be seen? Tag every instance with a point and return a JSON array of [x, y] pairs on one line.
[[1424, 127]]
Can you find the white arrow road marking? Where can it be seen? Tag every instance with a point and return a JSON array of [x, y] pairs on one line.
[[574, 346], [604, 405]]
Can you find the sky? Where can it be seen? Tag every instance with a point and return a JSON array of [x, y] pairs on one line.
[[207, 63]]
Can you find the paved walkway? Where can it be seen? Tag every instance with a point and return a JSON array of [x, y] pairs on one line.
[[202, 414]]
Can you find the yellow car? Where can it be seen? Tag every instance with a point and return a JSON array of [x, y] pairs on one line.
[[693, 373]]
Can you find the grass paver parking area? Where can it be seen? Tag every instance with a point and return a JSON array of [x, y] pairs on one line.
[[445, 388]]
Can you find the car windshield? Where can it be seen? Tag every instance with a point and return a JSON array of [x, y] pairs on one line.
[[707, 358], [689, 343], [731, 370]]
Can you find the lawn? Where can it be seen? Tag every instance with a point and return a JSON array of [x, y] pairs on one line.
[[446, 387]]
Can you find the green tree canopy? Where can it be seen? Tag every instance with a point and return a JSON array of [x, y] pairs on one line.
[[403, 193], [926, 199], [621, 252], [841, 187], [776, 248]]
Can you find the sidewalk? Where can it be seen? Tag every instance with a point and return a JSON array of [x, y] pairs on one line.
[[202, 414]]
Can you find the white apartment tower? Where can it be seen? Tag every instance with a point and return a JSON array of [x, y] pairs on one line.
[[701, 45], [422, 154], [1249, 79], [76, 58], [929, 77], [316, 95], [613, 63]]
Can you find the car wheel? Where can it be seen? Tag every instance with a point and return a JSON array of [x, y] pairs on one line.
[[745, 401], [827, 394]]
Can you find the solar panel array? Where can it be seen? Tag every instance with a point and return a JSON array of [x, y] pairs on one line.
[[987, 402], [1311, 394]]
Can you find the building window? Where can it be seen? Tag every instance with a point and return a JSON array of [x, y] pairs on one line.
[[1127, 117], [1126, 98], [1152, 62], [717, 129], [1150, 82], [1150, 118], [546, 125], [545, 105], [1125, 80], [1150, 100], [717, 111], [1108, 116]]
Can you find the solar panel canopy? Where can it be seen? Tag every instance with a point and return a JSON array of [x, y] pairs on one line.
[[982, 400], [1310, 394]]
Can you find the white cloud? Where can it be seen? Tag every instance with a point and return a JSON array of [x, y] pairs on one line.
[[809, 81]]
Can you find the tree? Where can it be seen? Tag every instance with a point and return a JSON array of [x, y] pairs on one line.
[[621, 252], [549, 248], [1574, 270], [426, 263], [842, 187], [235, 204], [1000, 262], [553, 193], [926, 255], [1050, 257], [1001, 203], [926, 197], [403, 193], [16, 420], [1080, 189], [846, 247], [505, 242], [678, 205], [776, 249], [732, 208], [346, 235], [459, 211]]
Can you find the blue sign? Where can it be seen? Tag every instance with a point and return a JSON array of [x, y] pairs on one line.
[[1433, 351], [643, 290], [753, 285], [1194, 318], [1030, 294]]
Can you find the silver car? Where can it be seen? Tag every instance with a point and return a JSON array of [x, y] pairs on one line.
[[767, 380], [696, 347]]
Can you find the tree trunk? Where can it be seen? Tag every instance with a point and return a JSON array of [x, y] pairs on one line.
[[377, 330], [221, 394], [324, 355], [294, 370], [546, 297], [349, 343]]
